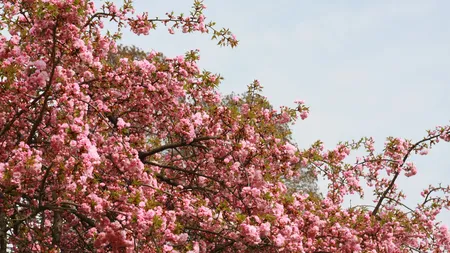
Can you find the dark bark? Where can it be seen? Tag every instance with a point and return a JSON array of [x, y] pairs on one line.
[[56, 228], [3, 235]]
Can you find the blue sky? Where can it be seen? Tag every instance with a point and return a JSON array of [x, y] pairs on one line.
[[366, 68]]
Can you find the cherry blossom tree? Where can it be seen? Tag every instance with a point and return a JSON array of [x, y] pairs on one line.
[[141, 155], [305, 182]]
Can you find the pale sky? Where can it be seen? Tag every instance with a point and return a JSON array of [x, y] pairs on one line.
[[366, 68]]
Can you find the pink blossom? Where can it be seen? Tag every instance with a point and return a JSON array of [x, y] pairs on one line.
[[279, 240], [40, 65], [304, 115]]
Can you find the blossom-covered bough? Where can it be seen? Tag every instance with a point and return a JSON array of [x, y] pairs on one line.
[[142, 156]]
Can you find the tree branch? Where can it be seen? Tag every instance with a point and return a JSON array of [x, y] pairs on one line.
[[143, 155], [47, 88], [391, 184]]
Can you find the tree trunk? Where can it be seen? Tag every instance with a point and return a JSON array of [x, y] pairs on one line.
[[56, 228], [3, 235]]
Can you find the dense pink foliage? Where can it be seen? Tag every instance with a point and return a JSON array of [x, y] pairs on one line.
[[142, 156]]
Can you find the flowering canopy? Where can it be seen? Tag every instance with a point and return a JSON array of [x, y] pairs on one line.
[[142, 156]]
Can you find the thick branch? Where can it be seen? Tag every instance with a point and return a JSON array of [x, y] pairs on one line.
[[83, 218], [185, 171], [74, 211], [143, 155]]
